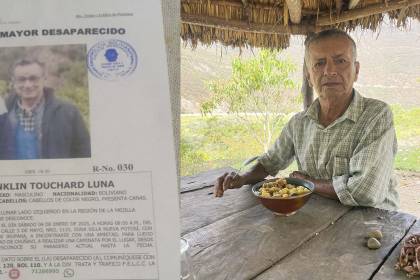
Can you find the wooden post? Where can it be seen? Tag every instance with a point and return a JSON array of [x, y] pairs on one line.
[[353, 4], [307, 92], [295, 10]]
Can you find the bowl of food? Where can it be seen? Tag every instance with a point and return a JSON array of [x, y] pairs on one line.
[[283, 196]]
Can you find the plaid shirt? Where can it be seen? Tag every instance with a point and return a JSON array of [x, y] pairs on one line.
[[356, 152], [27, 117]]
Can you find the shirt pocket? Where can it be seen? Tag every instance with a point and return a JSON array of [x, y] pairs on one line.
[[341, 166]]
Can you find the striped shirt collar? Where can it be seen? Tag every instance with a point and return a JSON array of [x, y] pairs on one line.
[[352, 113]]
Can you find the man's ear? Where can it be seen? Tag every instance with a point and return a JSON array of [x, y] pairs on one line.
[[357, 67]]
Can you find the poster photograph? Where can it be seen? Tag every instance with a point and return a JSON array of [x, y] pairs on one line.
[[45, 90]]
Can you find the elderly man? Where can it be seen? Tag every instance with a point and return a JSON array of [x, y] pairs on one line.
[[344, 143], [41, 126]]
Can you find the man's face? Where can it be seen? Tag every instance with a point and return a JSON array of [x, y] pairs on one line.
[[331, 67], [29, 81]]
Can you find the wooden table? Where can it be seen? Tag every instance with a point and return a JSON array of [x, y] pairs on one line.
[[234, 237]]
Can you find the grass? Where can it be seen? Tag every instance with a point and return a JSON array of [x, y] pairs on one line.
[[407, 127], [407, 122], [209, 142], [215, 141], [408, 160]]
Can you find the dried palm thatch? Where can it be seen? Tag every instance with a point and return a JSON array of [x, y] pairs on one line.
[[269, 23]]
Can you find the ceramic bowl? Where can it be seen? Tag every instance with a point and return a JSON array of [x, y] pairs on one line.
[[288, 205]]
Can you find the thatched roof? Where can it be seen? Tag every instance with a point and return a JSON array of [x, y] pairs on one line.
[[269, 23]]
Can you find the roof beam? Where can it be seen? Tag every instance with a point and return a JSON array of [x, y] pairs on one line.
[[366, 11], [230, 3], [237, 25]]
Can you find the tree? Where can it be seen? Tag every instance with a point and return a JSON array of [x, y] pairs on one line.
[[260, 91]]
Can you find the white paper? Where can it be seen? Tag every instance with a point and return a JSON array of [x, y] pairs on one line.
[[113, 214]]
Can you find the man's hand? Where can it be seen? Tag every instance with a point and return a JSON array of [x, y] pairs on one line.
[[322, 187], [233, 180], [299, 175], [230, 180]]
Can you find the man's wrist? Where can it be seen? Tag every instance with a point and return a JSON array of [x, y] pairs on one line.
[[325, 188], [245, 179]]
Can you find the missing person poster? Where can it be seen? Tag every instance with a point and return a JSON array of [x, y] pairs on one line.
[[88, 186]]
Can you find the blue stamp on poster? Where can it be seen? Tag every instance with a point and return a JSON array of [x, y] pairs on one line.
[[111, 59]]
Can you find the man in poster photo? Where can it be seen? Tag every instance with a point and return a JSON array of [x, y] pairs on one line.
[[39, 125]]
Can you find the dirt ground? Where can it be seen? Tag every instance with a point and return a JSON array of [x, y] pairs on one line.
[[409, 190]]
